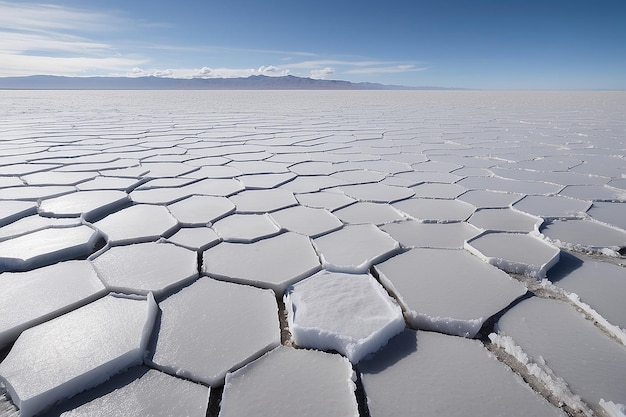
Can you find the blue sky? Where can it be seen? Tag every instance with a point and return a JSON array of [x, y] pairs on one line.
[[483, 44]]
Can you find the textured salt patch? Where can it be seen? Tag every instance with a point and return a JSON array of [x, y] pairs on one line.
[[505, 220], [449, 291], [377, 193], [77, 351], [412, 234], [146, 267], [514, 252], [142, 222], [593, 365], [444, 375], [47, 246], [287, 380], [325, 199], [584, 235], [609, 213], [490, 199], [201, 209], [11, 211], [374, 213], [307, 221], [195, 238], [552, 206], [263, 201], [435, 211], [600, 285], [88, 204], [212, 327], [444, 191], [30, 298], [275, 263], [245, 228], [349, 313], [354, 248]]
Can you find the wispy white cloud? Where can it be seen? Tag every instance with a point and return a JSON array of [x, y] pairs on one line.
[[208, 72], [42, 38], [386, 70], [321, 73]]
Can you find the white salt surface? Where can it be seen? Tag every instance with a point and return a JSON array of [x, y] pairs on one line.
[[140, 391], [307, 221], [489, 199], [11, 211], [201, 209], [146, 267], [435, 211], [195, 238], [600, 285], [88, 204], [593, 365], [363, 212], [45, 247], [505, 220], [34, 223], [412, 234], [142, 222], [449, 291], [609, 213], [434, 374], [584, 235], [553, 206], [246, 227], [30, 298], [552, 151], [287, 381], [354, 248], [76, 351], [274, 263], [514, 252], [212, 327], [349, 313]]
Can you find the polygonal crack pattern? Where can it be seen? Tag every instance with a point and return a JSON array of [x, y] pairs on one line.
[[170, 248]]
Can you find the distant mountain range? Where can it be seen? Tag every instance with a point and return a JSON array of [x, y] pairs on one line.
[[253, 82]]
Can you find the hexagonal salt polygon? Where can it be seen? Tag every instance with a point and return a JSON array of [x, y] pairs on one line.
[[11, 211], [79, 350], [287, 381], [515, 252], [349, 313], [430, 235], [139, 223], [139, 391], [552, 206], [584, 235], [275, 263], [47, 246], [212, 327], [246, 227], [354, 248], [195, 238], [32, 297], [89, 204], [377, 193], [263, 201], [363, 212], [307, 221], [435, 211], [146, 267], [505, 219], [449, 291], [201, 209]]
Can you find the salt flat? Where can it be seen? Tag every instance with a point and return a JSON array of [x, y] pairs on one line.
[[207, 245]]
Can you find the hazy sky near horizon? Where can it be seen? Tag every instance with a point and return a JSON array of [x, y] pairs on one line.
[[483, 44]]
